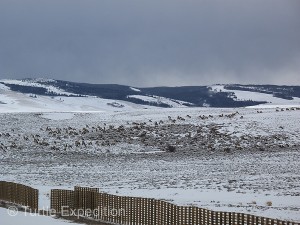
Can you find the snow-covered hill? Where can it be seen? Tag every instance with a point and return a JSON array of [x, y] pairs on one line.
[[271, 101], [46, 95], [39, 83], [12, 101]]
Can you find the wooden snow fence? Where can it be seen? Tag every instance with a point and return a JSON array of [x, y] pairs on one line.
[[146, 211], [19, 194]]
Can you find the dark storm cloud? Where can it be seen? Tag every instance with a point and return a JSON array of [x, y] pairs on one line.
[[157, 42]]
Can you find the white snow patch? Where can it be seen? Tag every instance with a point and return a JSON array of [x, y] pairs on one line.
[[58, 116], [158, 99], [135, 89], [29, 219], [3, 87]]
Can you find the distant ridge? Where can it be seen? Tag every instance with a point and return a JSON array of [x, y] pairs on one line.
[[229, 95]]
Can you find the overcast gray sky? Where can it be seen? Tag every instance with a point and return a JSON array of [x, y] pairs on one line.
[[152, 42]]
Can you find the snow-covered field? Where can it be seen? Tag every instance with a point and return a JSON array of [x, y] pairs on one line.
[[224, 160]]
